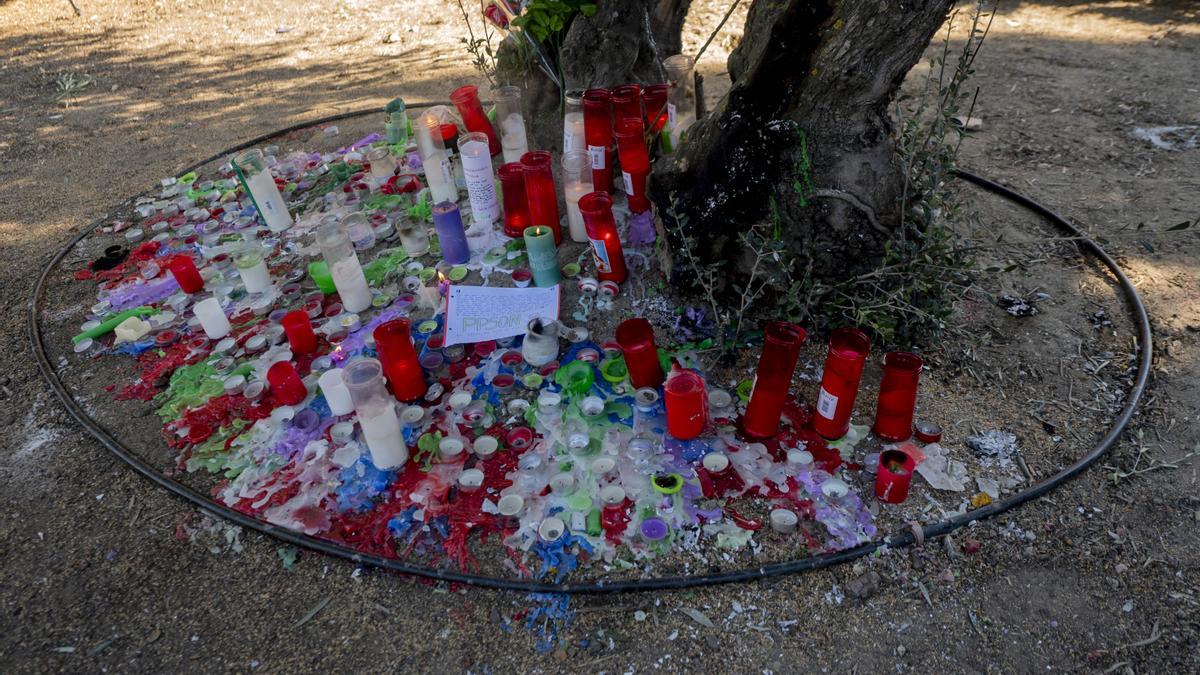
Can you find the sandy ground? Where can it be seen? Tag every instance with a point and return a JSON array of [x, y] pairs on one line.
[[94, 577]]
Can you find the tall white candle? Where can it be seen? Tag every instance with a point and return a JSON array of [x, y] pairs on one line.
[[212, 318], [481, 180]]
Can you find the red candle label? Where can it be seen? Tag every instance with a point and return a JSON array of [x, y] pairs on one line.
[[597, 154], [826, 404], [600, 254], [628, 182]]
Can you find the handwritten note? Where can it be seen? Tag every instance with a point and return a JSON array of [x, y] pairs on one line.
[[477, 313]]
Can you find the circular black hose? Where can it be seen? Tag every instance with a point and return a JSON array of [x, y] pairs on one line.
[[896, 540]]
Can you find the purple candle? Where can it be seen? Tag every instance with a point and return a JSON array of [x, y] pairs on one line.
[[451, 235]]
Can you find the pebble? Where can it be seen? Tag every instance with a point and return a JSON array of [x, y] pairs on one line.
[[865, 586]]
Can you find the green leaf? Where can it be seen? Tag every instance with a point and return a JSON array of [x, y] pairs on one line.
[[1181, 226], [587, 10]]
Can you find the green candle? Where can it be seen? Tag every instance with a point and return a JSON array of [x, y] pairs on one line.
[[319, 271], [543, 255]]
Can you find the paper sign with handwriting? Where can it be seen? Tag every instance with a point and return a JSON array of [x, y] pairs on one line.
[[478, 313]]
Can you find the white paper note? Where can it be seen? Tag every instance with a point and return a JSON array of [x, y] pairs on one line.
[[478, 313]]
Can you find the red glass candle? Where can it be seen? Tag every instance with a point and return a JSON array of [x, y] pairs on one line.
[[627, 102], [401, 367], [185, 272], [654, 97], [299, 332], [540, 190], [596, 209], [516, 202], [636, 337], [848, 349], [635, 162], [894, 476], [466, 99], [286, 383], [781, 348], [897, 396], [597, 132], [686, 400]]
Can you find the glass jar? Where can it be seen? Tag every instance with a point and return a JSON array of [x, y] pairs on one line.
[[360, 231], [516, 201], [256, 179], [848, 349], [577, 182], [681, 101], [398, 356], [635, 162], [510, 122], [573, 135], [596, 210], [414, 238], [597, 129], [781, 349], [897, 396], [481, 181], [376, 413], [344, 267]]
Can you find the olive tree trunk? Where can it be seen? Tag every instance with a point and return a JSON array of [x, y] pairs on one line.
[[803, 135]]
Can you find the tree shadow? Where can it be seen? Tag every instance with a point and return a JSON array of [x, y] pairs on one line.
[[1146, 11]]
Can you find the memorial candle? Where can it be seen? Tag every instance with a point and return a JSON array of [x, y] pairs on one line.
[[438, 174], [540, 190], [897, 396], [893, 477], [256, 179], [286, 384], [186, 274], [627, 102], [577, 182], [344, 267], [636, 338], [466, 99], [336, 393], [635, 162], [781, 349], [299, 332], [848, 348], [543, 255], [573, 134], [686, 401], [510, 122], [681, 100], [376, 413], [516, 201], [401, 365], [212, 318], [596, 210], [453, 238], [481, 181], [654, 98], [597, 130]]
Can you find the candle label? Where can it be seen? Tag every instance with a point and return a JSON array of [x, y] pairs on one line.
[[600, 253], [628, 183], [597, 154], [568, 139], [826, 404], [671, 114]]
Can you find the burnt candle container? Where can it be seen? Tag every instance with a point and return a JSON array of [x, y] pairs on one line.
[[398, 358], [466, 99], [286, 383], [685, 398], [514, 199], [781, 349], [299, 331], [540, 191], [597, 131], [635, 161], [596, 210], [848, 349], [897, 396], [894, 476], [636, 337]]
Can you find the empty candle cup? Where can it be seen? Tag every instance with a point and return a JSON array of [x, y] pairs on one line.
[[470, 480], [485, 446]]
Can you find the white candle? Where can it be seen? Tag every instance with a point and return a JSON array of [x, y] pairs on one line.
[[336, 393], [481, 180], [212, 318]]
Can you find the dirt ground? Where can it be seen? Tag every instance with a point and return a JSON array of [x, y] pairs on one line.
[[1101, 575]]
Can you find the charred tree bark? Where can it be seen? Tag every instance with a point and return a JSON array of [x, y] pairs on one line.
[[625, 41], [805, 131]]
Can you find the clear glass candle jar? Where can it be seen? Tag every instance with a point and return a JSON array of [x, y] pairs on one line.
[[510, 122], [376, 413]]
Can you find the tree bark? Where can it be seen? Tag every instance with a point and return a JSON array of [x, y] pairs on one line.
[[804, 132], [624, 42]]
